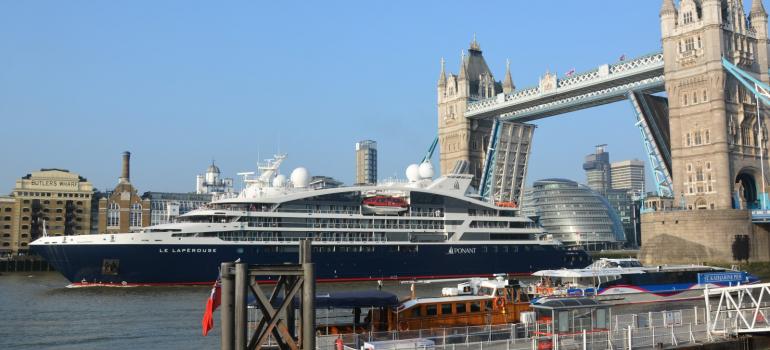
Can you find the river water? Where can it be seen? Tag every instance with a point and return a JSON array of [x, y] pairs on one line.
[[37, 311]]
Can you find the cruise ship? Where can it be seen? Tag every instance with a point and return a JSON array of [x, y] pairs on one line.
[[419, 228]]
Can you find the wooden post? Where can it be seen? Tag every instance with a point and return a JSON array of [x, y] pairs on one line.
[[308, 297], [241, 290], [227, 307], [291, 310]]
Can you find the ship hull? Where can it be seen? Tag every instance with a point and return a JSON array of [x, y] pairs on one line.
[[157, 264]]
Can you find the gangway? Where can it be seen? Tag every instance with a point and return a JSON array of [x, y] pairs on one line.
[[741, 309]]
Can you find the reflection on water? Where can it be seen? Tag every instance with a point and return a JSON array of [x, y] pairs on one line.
[[40, 313]]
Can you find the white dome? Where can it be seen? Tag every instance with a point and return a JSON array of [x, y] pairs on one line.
[[426, 170], [300, 177], [413, 172], [279, 181]]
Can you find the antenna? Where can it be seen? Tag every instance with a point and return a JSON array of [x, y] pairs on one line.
[[245, 178]]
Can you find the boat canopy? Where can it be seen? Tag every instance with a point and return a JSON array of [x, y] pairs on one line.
[[346, 300]]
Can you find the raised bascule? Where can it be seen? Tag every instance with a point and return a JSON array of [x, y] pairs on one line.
[[706, 140]]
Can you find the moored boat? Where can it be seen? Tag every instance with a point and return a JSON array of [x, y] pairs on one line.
[[627, 281], [443, 230], [474, 302]]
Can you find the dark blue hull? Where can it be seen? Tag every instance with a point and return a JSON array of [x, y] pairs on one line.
[[198, 264]]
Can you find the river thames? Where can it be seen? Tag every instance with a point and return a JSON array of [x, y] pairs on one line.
[[39, 312]]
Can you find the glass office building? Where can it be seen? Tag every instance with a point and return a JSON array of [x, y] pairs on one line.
[[574, 214]]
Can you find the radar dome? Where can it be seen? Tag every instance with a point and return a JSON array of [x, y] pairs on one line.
[[300, 177], [413, 172], [279, 181], [426, 170]]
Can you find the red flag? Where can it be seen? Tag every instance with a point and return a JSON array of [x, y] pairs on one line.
[[215, 298]]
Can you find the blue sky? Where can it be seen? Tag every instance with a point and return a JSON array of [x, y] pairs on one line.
[[178, 83]]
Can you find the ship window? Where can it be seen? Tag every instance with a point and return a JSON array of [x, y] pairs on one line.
[[110, 266], [446, 309], [563, 321], [488, 305], [431, 310], [475, 306], [601, 318], [460, 308], [416, 312]]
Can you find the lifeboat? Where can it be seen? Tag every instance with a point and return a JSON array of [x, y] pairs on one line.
[[384, 205], [506, 204]]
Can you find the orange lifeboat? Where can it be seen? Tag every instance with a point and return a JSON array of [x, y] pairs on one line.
[[506, 204], [384, 205]]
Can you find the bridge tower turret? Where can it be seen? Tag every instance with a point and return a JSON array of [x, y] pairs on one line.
[[713, 120], [461, 138]]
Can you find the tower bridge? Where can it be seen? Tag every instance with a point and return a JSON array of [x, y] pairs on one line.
[[606, 84], [703, 140]]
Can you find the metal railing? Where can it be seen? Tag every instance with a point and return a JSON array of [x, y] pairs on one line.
[[628, 331]]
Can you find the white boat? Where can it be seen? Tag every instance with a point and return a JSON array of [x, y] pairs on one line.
[[443, 230], [627, 281]]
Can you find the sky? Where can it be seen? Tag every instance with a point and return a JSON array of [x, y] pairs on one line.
[[182, 83]]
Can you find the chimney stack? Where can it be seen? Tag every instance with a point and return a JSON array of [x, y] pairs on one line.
[[125, 175]]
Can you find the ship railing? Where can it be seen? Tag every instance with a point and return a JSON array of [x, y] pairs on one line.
[[297, 239], [354, 226]]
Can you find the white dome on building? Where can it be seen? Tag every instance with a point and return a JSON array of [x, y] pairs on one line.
[[426, 170], [413, 172], [300, 177], [212, 174], [279, 181]]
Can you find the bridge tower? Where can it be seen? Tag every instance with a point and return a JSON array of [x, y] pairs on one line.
[[713, 120], [714, 135], [461, 138]]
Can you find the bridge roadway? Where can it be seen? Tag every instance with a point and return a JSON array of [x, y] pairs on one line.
[[606, 84]]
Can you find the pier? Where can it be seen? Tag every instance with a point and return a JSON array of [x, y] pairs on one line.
[[683, 328], [274, 327]]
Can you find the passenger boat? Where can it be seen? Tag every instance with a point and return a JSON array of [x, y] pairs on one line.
[[445, 231], [627, 281], [384, 205], [474, 302]]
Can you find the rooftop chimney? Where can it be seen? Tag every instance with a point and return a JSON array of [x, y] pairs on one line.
[[125, 175]]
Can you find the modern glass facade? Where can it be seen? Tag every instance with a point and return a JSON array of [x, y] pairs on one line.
[[574, 214]]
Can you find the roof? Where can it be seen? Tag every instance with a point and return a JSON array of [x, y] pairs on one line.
[[568, 303], [543, 182], [588, 272], [412, 302], [348, 300]]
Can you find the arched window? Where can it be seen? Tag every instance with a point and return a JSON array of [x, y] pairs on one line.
[[701, 204], [113, 215], [135, 216]]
